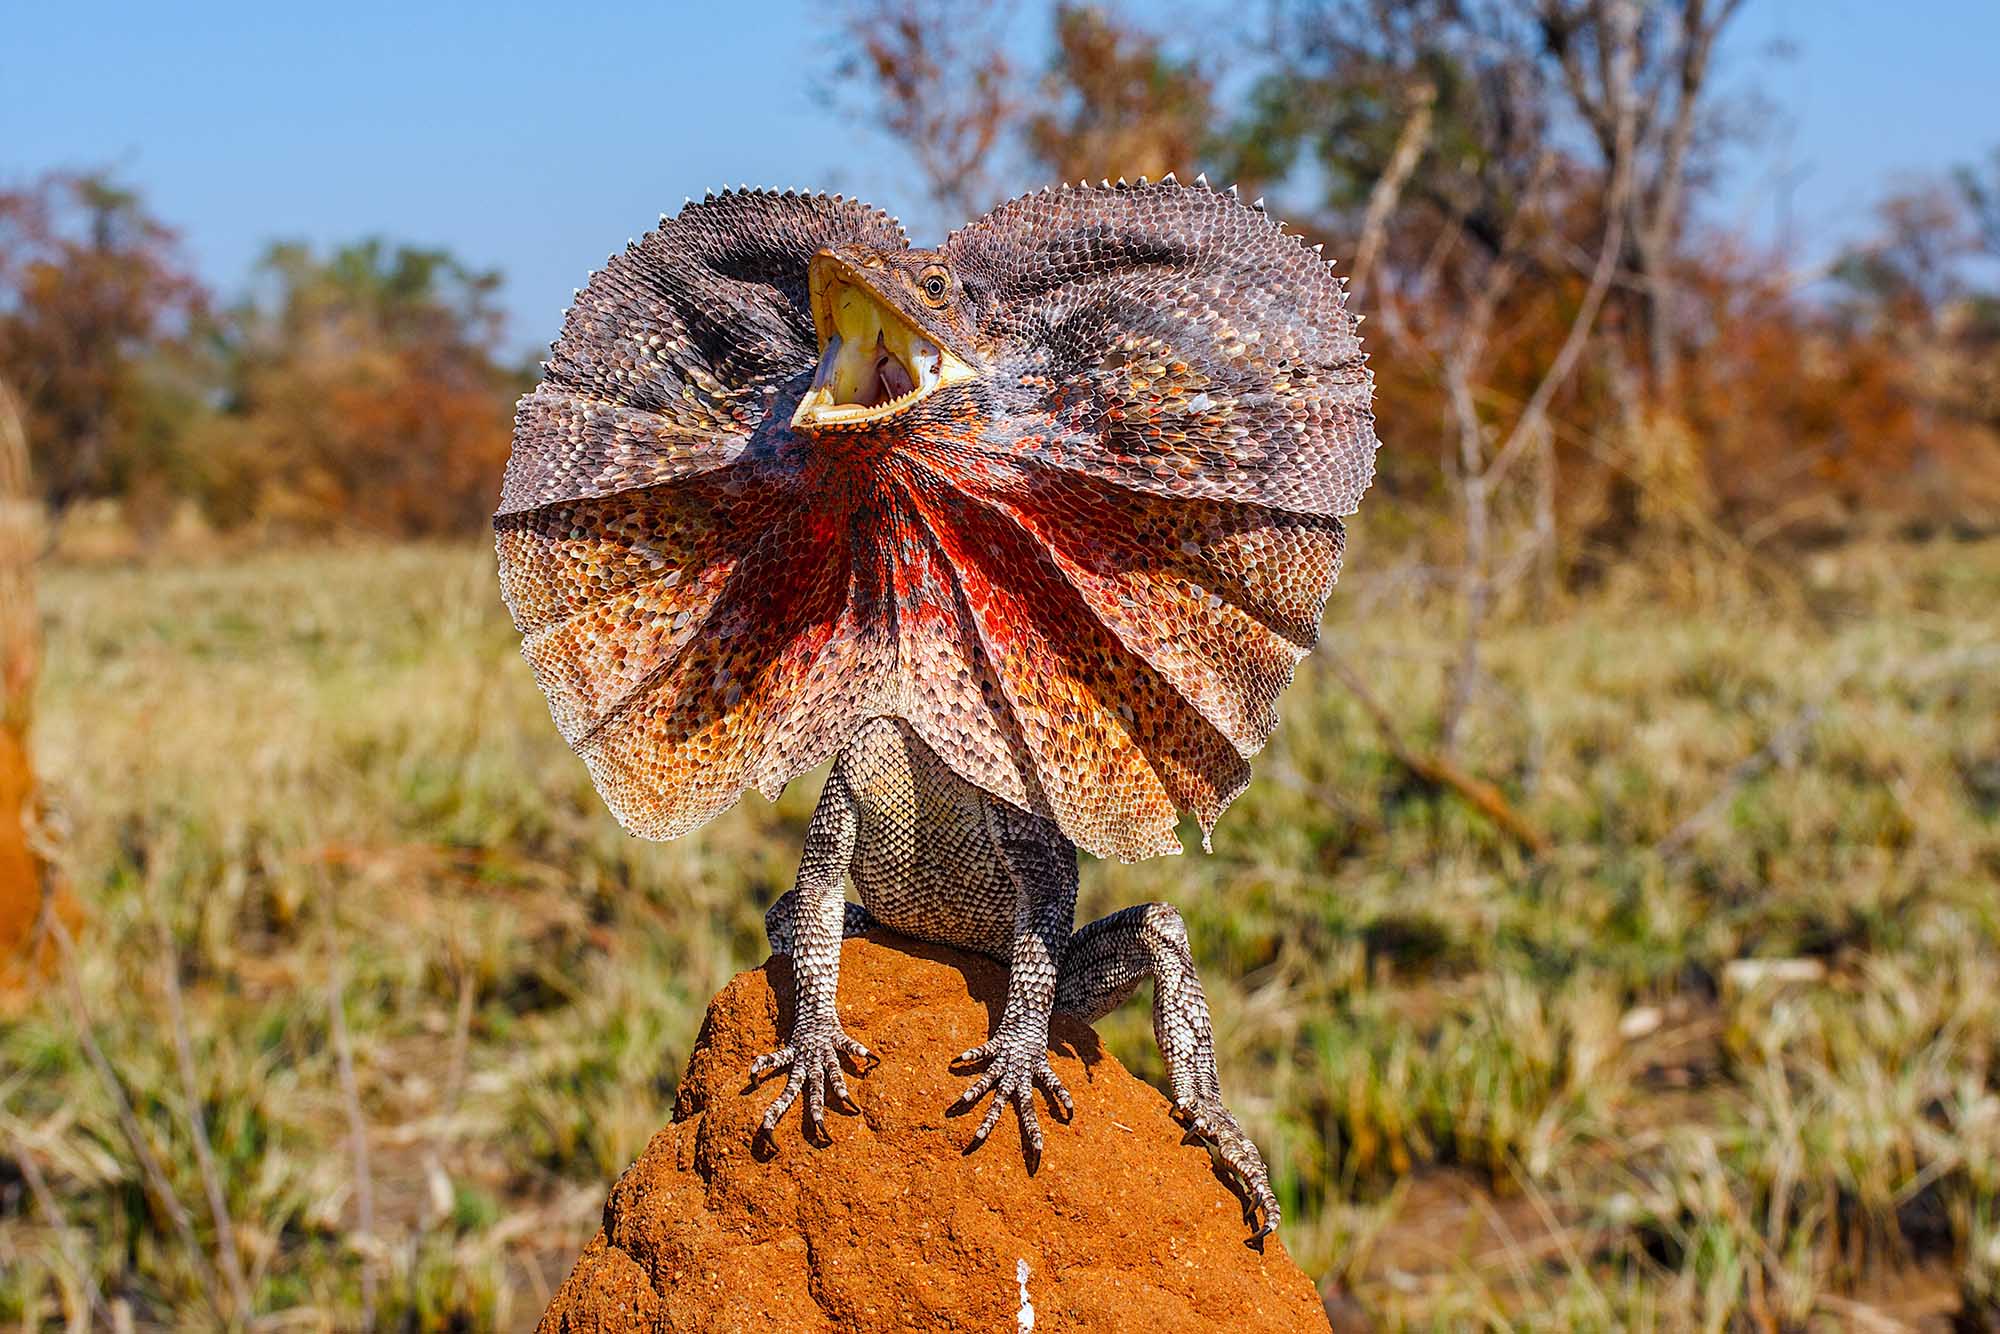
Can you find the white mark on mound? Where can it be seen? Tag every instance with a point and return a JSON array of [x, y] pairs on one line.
[[1025, 1320]]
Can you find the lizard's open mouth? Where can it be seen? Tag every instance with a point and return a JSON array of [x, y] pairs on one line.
[[872, 363]]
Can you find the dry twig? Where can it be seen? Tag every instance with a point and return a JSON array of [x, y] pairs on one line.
[[45, 1200], [1782, 748], [153, 1176], [211, 1176]]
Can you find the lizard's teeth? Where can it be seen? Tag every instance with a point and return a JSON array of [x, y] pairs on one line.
[[929, 362]]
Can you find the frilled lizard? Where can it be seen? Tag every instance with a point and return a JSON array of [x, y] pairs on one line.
[[1028, 531]]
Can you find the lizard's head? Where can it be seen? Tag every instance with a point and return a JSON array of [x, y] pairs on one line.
[[892, 331]]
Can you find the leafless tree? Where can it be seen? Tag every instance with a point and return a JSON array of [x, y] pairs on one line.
[[1670, 47], [937, 82], [1114, 102], [1479, 472]]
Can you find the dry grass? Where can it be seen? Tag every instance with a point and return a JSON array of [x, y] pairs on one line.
[[321, 789]]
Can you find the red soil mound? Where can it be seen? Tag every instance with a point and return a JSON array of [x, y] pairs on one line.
[[21, 963], [893, 1226]]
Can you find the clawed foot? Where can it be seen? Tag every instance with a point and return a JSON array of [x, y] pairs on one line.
[[1019, 1064], [1209, 1119], [813, 1057]]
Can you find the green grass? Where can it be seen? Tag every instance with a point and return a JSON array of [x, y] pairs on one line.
[[1496, 1092]]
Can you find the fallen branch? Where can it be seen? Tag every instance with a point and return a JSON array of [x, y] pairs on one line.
[[1787, 744], [1482, 796], [1443, 773]]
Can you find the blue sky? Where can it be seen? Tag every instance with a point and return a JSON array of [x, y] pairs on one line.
[[536, 141]]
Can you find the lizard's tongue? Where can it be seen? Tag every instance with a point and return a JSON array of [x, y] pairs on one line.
[[891, 379], [849, 372], [861, 364]]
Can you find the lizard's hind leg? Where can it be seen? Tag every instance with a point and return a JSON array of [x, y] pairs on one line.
[[781, 919], [1103, 966]]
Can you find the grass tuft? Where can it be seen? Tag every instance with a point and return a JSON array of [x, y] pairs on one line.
[[1726, 1058]]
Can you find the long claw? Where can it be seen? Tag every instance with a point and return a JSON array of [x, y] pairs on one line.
[[1207, 1119], [813, 1059], [979, 1089], [986, 1126], [1053, 1086], [770, 1061], [777, 1109], [816, 1104], [1017, 1068]]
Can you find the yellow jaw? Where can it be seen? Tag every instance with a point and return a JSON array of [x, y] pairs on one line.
[[872, 363]]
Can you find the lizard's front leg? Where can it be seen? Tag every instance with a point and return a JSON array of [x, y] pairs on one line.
[[1042, 866], [1105, 963], [808, 924]]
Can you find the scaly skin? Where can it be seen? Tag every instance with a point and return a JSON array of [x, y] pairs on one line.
[[935, 858], [1034, 549]]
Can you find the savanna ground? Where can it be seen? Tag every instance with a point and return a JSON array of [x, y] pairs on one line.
[[1727, 1056]]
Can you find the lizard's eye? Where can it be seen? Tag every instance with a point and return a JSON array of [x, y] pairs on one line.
[[935, 283]]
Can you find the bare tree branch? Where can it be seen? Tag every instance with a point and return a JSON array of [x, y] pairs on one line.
[[1479, 477], [1388, 188], [944, 89], [1609, 251]]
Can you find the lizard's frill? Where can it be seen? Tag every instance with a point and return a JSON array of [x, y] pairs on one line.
[[1084, 589]]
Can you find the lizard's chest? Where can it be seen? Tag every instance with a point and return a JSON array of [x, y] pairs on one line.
[[925, 865]]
